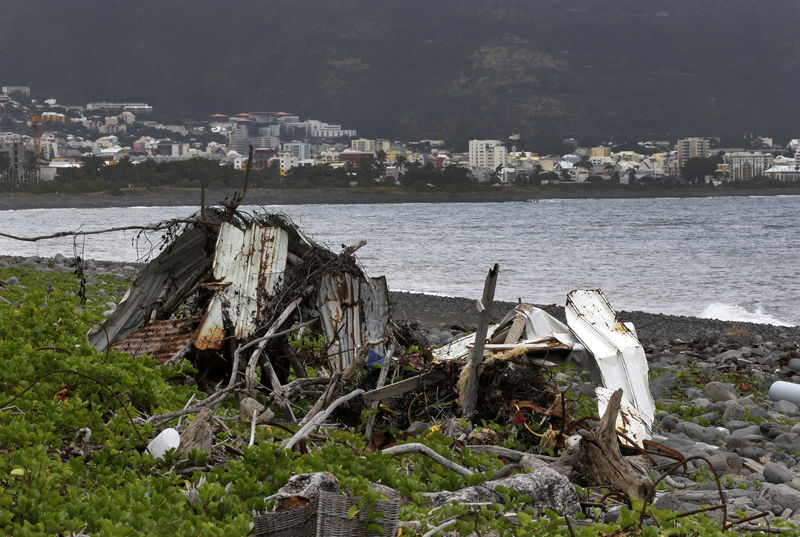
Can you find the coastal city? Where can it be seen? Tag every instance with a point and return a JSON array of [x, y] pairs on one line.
[[383, 269], [40, 139]]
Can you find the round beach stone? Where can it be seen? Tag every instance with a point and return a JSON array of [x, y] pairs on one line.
[[701, 403], [772, 429], [733, 411], [667, 380], [777, 473], [670, 421], [668, 500], [794, 364], [735, 425], [788, 441], [718, 391], [784, 497], [732, 354], [708, 435], [752, 452], [726, 463], [787, 407], [710, 417], [746, 432]]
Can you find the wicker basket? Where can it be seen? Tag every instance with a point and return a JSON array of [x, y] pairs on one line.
[[300, 522], [326, 516]]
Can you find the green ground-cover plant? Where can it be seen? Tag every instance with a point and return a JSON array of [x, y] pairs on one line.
[[55, 386]]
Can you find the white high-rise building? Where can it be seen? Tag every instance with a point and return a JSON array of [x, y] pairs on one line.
[[487, 154], [692, 148], [746, 165]]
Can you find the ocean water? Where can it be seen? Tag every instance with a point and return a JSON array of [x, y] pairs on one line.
[[726, 258]]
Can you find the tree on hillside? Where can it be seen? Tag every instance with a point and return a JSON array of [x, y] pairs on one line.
[[400, 160], [380, 162], [696, 168], [30, 167], [5, 167], [92, 166]]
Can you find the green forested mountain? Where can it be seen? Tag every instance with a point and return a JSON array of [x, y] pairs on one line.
[[453, 69]]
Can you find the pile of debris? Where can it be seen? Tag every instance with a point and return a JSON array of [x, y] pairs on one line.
[[229, 283], [236, 293]]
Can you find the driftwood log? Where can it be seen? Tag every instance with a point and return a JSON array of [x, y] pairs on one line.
[[595, 459], [198, 435]]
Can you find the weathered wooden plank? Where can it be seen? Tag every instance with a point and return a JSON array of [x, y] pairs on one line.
[[485, 307], [518, 325], [402, 387]]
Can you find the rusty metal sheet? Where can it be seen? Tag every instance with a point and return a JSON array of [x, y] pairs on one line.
[[177, 261], [375, 302], [618, 355], [162, 339], [248, 265], [339, 306]]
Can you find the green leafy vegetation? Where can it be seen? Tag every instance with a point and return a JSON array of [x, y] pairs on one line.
[[57, 479]]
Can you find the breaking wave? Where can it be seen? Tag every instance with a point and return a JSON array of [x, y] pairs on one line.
[[735, 312]]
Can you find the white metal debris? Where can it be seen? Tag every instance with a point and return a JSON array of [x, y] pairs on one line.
[[339, 306], [248, 266], [375, 301], [629, 420], [543, 329], [619, 358], [458, 348]]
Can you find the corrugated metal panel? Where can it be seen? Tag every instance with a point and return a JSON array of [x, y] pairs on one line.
[[162, 339], [177, 261], [375, 300], [248, 265], [619, 357], [340, 313]]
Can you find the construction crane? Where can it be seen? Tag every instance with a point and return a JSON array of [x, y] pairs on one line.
[[36, 122]]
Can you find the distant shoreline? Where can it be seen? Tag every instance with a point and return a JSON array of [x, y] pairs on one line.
[[177, 197]]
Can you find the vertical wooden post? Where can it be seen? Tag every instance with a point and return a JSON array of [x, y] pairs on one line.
[[484, 316], [203, 198], [381, 381]]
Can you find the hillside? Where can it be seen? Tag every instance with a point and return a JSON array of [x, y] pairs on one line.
[[448, 69]]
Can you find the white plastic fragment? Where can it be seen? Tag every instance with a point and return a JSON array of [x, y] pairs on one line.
[[163, 442], [785, 391]]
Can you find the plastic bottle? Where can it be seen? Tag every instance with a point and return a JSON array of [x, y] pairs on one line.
[[786, 391], [166, 440]]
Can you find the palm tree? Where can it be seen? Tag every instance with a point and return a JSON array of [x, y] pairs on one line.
[[31, 167], [5, 166]]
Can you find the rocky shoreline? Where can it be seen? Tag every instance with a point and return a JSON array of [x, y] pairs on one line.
[[296, 196], [709, 379]]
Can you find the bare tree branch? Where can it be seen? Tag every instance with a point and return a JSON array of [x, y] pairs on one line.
[[154, 227], [416, 447]]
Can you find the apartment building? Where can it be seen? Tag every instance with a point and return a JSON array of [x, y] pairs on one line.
[[745, 165], [692, 148], [363, 145], [487, 154]]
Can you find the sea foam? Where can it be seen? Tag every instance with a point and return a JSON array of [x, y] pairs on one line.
[[735, 312]]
